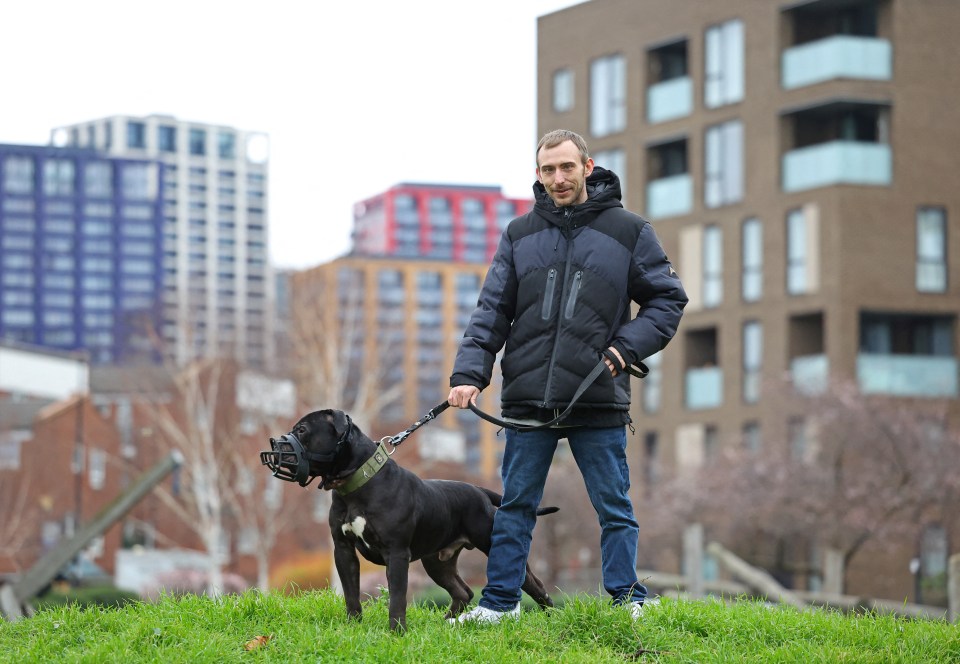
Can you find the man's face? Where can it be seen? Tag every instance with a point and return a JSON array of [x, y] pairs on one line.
[[563, 175]]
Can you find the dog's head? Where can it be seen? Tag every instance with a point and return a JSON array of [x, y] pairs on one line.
[[310, 449]]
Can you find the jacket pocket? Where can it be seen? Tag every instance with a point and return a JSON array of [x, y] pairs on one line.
[[572, 298], [548, 294]]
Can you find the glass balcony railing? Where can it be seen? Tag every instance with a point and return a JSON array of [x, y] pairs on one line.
[[670, 197], [837, 162], [670, 100], [704, 388], [907, 375], [840, 56], [810, 373]]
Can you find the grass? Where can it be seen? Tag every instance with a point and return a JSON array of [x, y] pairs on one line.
[[313, 627]]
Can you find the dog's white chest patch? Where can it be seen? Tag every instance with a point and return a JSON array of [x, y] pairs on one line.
[[356, 527]]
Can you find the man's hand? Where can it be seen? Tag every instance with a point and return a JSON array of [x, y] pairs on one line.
[[463, 395], [613, 369]]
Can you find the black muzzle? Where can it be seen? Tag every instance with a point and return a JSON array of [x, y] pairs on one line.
[[290, 461]]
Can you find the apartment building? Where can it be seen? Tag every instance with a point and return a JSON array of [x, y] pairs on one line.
[[459, 223], [798, 162], [398, 323], [81, 241], [217, 282]]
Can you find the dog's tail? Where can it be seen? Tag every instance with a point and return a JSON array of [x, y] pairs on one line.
[[496, 499]]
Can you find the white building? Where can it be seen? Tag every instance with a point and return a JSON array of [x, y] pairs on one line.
[[218, 291]]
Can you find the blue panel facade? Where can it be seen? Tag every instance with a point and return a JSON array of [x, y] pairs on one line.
[[81, 247]]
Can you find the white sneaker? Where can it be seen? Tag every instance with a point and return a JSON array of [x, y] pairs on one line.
[[481, 614], [636, 608]]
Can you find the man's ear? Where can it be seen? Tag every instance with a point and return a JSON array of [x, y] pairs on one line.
[[588, 168]]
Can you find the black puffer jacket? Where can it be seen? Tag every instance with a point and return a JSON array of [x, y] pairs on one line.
[[558, 293]]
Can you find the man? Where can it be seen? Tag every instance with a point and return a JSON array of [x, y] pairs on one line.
[[558, 294]]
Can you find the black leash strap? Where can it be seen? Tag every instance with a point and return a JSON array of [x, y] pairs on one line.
[[395, 441], [639, 372]]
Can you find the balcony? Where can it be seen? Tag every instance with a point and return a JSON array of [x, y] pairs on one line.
[[907, 375], [810, 374], [839, 56], [837, 162], [704, 388], [670, 197], [670, 100]]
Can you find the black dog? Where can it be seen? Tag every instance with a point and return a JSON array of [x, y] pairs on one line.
[[387, 513]]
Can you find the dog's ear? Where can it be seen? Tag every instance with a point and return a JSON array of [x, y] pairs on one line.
[[340, 421]]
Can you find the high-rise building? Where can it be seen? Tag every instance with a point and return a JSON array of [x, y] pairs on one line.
[[381, 336], [459, 223], [217, 281], [798, 160], [80, 251]]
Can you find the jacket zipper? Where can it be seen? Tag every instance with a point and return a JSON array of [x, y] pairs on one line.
[[548, 294], [572, 299], [566, 277]]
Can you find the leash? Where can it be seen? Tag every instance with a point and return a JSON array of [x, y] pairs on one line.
[[640, 372], [394, 441]]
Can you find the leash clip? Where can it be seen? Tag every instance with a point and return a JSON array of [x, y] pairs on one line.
[[389, 440]]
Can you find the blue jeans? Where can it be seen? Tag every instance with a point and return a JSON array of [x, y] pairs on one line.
[[602, 458]]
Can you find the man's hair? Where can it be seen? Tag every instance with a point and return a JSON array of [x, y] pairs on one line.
[[556, 137]]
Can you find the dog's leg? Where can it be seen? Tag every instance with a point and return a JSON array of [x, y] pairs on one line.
[[444, 573], [398, 569], [533, 586], [348, 569]]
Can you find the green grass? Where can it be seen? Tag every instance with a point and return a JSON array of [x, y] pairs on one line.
[[313, 627]]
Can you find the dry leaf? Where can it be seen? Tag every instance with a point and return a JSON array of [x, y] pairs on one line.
[[257, 641]]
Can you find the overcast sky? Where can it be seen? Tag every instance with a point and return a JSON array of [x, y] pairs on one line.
[[356, 96]]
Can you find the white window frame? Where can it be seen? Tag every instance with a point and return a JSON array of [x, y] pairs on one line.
[[751, 260], [723, 164], [608, 95], [797, 252], [752, 360], [712, 263], [614, 160], [724, 66], [563, 90], [931, 275]]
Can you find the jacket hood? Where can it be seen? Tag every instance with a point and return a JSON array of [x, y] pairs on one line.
[[603, 191]]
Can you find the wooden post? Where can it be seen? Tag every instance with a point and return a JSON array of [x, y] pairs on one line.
[[953, 588], [832, 571], [15, 598], [754, 577], [693, 559]]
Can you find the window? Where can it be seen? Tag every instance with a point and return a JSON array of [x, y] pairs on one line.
[[751, 436], [198, 139], [139, 182], [752, 360], [18, 175], [563, 90], [651, 454], [136, 135], [751, 281], [931, 250], [58, 176], [653, 383], [797, 253], [724, 164], [614, 160], [167, 138], [608, 95], [712, 266], [97, 179], [723, 82], [226, 145]]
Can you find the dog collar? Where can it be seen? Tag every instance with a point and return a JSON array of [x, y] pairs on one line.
[[363, 474]]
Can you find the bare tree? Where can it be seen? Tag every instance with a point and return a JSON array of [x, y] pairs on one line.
[[852, 468]]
